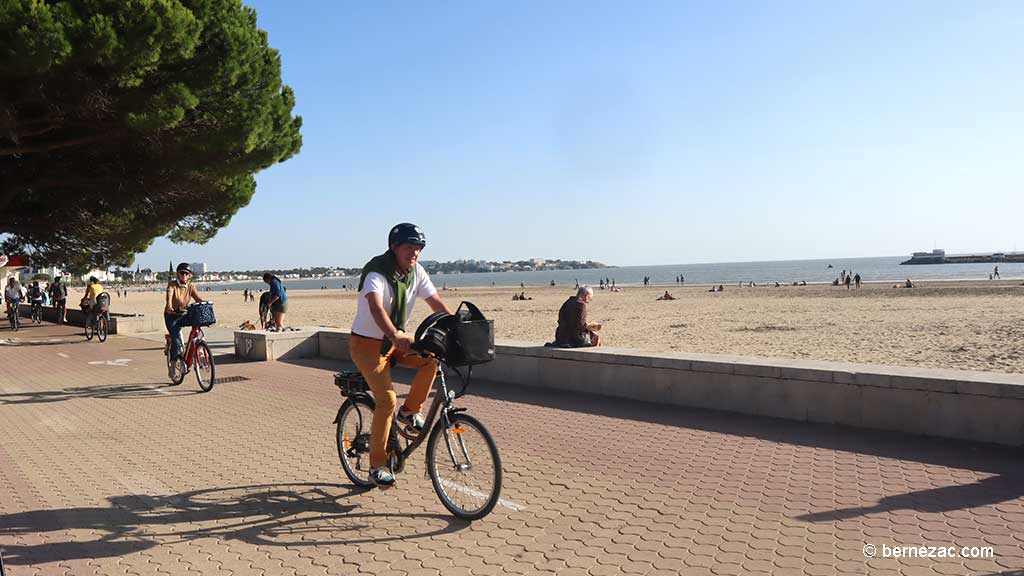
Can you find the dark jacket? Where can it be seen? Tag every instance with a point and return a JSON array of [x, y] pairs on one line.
[[572, 324]]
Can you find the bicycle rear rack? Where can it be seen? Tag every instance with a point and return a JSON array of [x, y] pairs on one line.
[[351, 383]]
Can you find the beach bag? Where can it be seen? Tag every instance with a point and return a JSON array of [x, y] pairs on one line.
[[103, 301], [201, 314], [465, 338], [471, 337]]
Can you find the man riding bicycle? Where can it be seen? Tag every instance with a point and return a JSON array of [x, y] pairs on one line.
[[388, 288], [179, 291], [88, 302], [13, 294], [59, 298], [35, 296]]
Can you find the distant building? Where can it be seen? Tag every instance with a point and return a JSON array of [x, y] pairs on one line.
[[101, 275], [198, 268]]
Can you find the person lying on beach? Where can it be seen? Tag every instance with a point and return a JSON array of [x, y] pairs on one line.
[[573, 330], [666, 296]]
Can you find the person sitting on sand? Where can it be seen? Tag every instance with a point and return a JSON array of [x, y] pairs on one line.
[[666, 296], [573, 329], [515, 297], [908, 284], [522, 296]]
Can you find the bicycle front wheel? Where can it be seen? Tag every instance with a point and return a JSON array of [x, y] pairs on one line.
[[464, 467], [89, 328], [353, 438], [101, 328], [205, 367]]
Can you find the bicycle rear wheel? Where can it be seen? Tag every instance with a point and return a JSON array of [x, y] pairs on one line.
[[353, 439], [464, 467], [101, 328], [205, 367]]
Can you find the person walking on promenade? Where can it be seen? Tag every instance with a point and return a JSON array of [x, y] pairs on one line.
[[278, 301], [59, 298], [388, 288]]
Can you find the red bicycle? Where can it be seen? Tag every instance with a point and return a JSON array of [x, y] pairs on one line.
[[197, 353]]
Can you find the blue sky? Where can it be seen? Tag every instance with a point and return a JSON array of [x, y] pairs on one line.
[[639, 133]]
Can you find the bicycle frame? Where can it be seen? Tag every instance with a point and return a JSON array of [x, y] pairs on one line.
[[440, 410]]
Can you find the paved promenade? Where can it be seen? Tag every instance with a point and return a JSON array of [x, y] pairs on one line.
[[106, 469]]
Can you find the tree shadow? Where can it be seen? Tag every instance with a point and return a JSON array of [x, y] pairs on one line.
[[991, 490], [264, 514], [108, 392], [1004, 463]]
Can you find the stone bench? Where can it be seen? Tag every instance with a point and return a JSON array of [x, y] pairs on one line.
[[968, 405], [119, 323]]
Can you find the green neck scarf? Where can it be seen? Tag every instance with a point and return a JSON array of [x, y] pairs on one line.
[[385, 265]]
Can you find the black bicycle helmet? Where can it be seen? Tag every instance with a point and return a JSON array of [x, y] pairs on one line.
[[93, 280], [406, 233], [184, 267], [433, 334]]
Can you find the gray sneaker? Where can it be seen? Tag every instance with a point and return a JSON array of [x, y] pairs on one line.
[[382, 477], [411, 419]]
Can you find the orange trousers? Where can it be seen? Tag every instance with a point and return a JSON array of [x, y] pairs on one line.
[[376, 368]]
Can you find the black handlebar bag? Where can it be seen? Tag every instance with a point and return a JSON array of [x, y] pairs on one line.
[[471, 336]]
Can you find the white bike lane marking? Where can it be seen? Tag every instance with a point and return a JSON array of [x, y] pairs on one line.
[[117, 362], [63, 355], [513, 506]]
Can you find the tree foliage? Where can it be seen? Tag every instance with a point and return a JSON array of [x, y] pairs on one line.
[[126, 120]]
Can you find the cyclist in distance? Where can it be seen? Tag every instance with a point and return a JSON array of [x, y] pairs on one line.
[[388, 288], [13, 294], [59, 297], [35, 294], [179, 291], [92, 291]]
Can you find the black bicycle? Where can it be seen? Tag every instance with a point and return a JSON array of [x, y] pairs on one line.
[[462, 459], [37, 311], [12, 316], [95, 320]]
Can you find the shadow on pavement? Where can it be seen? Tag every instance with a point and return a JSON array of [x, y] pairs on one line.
[[115, 391], [266, 514], [1007, 482], [1004, 463], [991, 490]]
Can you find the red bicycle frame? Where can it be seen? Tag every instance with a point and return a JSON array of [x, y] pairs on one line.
[[194, 336]]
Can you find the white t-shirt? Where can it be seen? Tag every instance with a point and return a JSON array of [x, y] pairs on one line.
[[364, 324], [16, 292]]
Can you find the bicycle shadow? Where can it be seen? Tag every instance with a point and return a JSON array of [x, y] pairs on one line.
[[262, 514], [140, 390]]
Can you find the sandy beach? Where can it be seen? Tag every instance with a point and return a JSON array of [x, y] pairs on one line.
[[964, 325]]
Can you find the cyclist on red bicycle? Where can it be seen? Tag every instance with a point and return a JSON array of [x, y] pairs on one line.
[[388, 288], [179, 291]]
